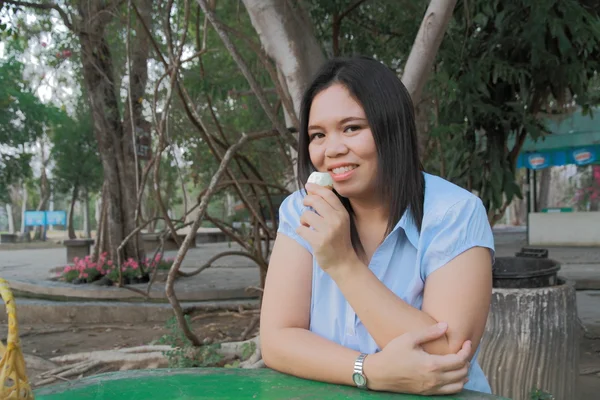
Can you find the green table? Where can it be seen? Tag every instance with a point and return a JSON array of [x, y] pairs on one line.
[[214, 384]]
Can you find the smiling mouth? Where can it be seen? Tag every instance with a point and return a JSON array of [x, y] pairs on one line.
[[344, 169]]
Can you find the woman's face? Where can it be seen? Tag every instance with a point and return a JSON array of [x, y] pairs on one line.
[[341, 142]]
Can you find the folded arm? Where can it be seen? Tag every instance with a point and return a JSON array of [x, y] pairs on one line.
[[287, 345], [458, 294]]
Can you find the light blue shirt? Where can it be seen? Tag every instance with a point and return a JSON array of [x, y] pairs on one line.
[[454, 220]]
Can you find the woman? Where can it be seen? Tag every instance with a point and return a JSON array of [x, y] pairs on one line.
[[385, 282]]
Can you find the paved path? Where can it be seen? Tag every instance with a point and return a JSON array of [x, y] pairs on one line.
[[232, 275], [29, 271]]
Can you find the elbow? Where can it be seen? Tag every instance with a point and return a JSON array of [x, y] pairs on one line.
[[444, 345], [268, 350], [454, 344]]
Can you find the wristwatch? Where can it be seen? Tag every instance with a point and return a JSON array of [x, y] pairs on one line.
[[358, 376]]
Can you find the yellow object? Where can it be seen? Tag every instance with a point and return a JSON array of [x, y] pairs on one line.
[[14, 384]]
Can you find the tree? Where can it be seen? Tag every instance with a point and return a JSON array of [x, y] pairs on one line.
[[23, 120], [503, 68], [89, 22], [288, 36], [77, 167]]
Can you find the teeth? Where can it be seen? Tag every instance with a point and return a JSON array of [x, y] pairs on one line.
[[341, 170]]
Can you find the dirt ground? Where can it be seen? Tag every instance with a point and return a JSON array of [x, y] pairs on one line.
[[43, 342], [47, 341], [589, 367]]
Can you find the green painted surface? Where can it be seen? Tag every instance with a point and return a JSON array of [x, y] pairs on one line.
[[568, 131], [216, 384]]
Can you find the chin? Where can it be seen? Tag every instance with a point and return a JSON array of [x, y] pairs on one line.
[[349, 192]]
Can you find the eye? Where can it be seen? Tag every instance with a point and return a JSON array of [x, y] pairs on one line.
[[316, 135], [352, 128]]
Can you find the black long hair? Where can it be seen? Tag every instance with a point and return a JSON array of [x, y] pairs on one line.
[[390, 113]]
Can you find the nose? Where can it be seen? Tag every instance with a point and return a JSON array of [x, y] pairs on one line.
[[335, 146]]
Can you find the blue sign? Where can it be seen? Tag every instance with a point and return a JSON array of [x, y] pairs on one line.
[[44, 218], [56, 218], [537, 161], [35, 218], [584, 156]]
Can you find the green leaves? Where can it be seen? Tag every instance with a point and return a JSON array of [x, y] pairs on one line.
[[75, 153], [23, 120], [510, 62]]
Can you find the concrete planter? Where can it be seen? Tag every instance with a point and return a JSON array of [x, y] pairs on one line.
[[79, 248], [8, 238], [151, 242], [532, 341]]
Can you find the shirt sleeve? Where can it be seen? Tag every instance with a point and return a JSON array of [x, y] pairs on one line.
[[465, 225], [289, 218]]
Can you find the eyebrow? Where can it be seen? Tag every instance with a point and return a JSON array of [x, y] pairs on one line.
[[343, 121]]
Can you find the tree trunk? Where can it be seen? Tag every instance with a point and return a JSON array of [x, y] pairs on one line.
[[40, 232], [97, 212], [531, 340], [23, 209], [10, 218], [544, 188], [51, 208], [115, 142], [70, 227], [286, 33], [100, 243], [86, 214], [422, 55]]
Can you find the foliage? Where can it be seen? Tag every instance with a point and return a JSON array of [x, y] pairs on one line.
[[23, 120], [184, 354], [502, 67], [378, 28], [85, 270], [587, 191], [225, 102], [537, 394], [75, 154]]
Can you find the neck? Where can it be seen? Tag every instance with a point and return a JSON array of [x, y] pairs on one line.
[[370, 212]]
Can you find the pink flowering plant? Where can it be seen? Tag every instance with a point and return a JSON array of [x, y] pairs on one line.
[[85, 270]]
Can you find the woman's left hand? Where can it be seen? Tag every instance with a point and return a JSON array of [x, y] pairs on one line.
[[327, 230]]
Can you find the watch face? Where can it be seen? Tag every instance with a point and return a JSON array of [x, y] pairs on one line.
[[359, 379]]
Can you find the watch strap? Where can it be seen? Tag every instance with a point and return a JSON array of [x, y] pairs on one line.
[[358, 368]]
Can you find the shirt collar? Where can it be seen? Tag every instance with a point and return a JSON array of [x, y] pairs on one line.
[[409, 227]]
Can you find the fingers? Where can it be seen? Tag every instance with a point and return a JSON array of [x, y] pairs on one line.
[[307, 234], [311, 219], [448, 389], [452, 362], [320, 205], [326, 194], [451, 382], [456, 376], [428, 334], [465, 351]]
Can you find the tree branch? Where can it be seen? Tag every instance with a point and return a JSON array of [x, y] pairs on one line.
[[337, 24], [191, 236], [350, 8], [247, 74], [43, 6], [428, 40]]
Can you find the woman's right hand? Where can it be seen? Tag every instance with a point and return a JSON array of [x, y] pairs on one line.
[[404, 367]]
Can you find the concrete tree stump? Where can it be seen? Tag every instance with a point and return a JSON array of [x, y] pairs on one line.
[[79, 248], [8, 238], [532, 341]]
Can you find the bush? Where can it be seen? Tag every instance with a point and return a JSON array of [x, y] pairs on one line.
[[86, 271]]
